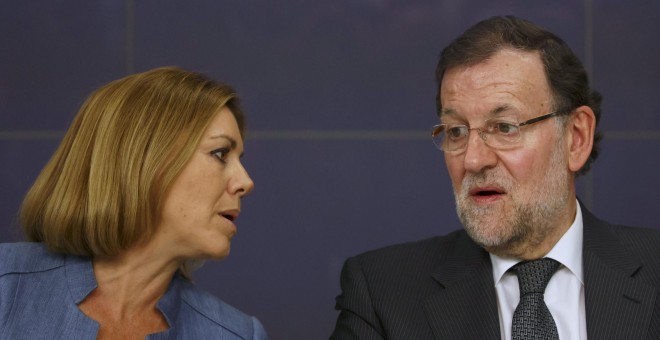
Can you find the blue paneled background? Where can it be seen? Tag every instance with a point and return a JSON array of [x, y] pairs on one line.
[[339, 97]]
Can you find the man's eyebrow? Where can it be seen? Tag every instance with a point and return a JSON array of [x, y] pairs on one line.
[[498, 110], [232, 141], [447, 111]]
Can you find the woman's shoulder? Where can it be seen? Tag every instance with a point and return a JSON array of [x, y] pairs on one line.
[[26, 257], [219, 312]]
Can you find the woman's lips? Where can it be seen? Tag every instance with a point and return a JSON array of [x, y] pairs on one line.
[[230, 214]]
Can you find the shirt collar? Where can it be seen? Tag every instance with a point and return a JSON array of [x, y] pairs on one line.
[[80, 276], [567, 251], [170, 303]]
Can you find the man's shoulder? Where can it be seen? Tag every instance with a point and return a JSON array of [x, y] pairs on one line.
[[422, 253], [637, 232], [217, 311], [641, 241], [623, 246], [27, 257], [399, 275]]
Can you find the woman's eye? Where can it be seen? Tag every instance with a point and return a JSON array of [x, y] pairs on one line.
[[220, 154]]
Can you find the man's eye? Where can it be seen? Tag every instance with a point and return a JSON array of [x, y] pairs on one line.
[[220, 154], [456, 132], [505, 128]]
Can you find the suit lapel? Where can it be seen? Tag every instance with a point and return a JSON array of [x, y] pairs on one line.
[[466, 306], [617, 305]]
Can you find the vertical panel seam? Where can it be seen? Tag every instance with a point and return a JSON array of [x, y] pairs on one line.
[[588, 198], [129, 48]]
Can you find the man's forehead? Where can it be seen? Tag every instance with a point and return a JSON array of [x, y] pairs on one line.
[[508, 79], [500, 68], [493, 111]]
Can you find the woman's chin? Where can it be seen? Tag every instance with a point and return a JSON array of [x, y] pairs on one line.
[[217, 253]]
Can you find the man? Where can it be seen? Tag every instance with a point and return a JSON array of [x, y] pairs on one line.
[[518, 123]]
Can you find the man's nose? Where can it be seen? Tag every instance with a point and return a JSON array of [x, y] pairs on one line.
[[478, 155]]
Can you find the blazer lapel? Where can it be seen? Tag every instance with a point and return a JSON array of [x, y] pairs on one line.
[[466, 306], [617, 306]]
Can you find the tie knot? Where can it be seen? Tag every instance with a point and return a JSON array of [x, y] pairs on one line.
[[533, 276]]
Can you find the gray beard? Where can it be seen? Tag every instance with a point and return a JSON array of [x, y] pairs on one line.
[[530, 220]]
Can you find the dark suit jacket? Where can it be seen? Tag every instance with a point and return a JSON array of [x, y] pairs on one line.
[[442, 288]]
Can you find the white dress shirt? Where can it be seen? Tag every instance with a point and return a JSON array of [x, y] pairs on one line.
[[564, 294]]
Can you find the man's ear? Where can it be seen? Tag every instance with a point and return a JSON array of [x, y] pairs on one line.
[[580, 136]]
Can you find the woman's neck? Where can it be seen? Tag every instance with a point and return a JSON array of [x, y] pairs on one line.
[[134, 280]]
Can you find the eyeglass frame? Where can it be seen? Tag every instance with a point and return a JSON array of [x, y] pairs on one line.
[[435, 128]]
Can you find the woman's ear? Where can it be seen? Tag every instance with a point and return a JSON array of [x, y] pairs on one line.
[[581, 129]]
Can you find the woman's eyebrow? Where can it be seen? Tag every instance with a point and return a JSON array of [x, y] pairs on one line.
[[232, 141]]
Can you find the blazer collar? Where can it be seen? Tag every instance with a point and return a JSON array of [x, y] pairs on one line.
[[465, 307]]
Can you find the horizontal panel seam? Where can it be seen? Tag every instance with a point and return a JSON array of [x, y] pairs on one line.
[[614, 135]]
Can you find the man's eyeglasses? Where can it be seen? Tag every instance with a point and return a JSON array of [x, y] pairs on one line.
[[498, 133]]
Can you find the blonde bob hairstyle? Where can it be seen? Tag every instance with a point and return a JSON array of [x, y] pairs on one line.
[[102, 190]]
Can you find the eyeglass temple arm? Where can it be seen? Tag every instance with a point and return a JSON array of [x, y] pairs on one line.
[[540, 118]]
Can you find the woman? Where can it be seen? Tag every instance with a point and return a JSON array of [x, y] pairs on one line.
[[146, 182]]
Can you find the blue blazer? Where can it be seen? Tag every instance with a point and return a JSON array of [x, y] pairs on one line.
[[40, 292]]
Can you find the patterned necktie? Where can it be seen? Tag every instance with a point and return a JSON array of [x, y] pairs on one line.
[[532, 319]]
